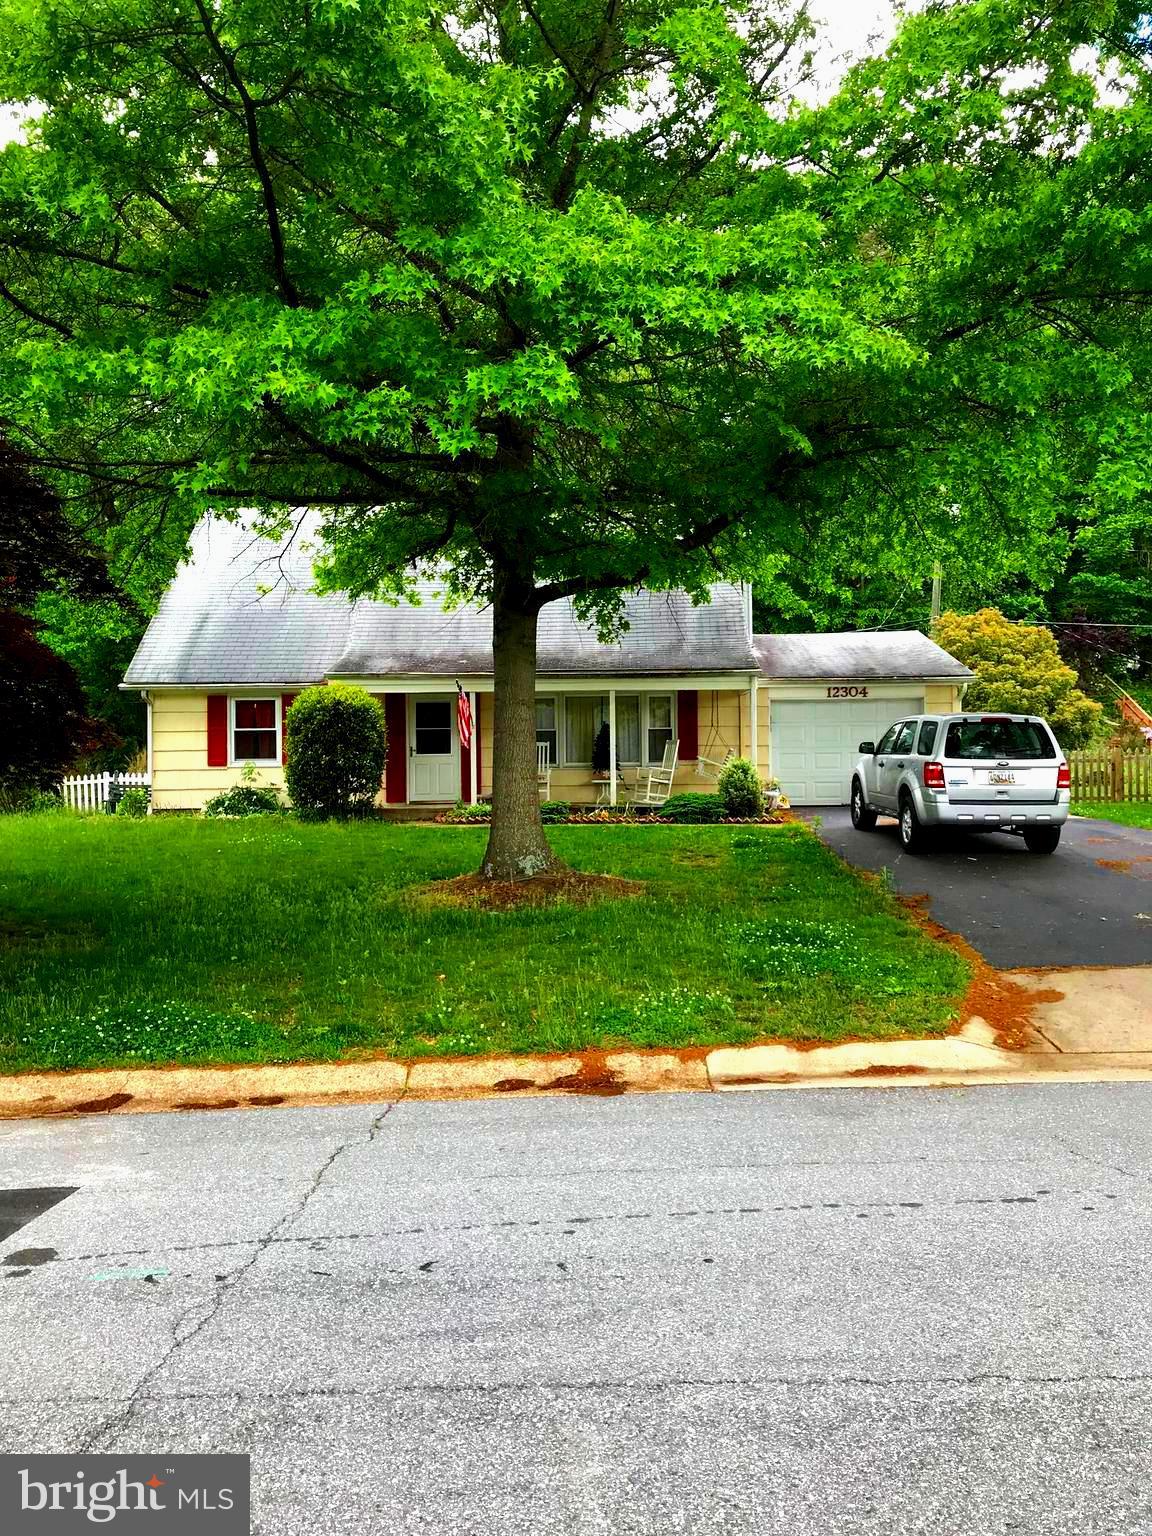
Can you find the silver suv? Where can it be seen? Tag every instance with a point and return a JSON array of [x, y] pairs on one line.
[[974, 773]]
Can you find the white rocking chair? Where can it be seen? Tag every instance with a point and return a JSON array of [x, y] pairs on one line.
[[543, 771], [654, 785]]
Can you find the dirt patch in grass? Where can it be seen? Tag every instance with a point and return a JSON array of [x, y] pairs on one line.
[[996, 997], [570, 887], [66, 935]]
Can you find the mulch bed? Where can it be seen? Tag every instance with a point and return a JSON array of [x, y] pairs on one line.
[[619, 819], [569, 886]]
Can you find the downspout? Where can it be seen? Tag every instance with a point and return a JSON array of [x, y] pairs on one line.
[[147, 697]]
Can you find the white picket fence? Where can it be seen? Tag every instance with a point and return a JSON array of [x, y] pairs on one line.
[[90, 791]]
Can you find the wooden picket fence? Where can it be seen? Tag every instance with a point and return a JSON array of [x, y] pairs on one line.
[[1111, 775], [90, 791]]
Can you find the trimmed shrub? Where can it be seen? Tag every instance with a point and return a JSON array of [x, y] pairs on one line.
[[692, 808], [133, 803], [601, 756], [240, 800], [337, 747], [553, 811], [739, 789]]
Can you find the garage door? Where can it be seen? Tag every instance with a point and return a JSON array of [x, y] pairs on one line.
[[814, 742]]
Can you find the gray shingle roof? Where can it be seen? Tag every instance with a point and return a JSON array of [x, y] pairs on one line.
[[900, 653], [666, 634], [218, 625]]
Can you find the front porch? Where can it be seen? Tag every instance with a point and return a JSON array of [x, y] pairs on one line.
[[429, 767]]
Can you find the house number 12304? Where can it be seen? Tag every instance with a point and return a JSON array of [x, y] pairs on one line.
[[845, 692]]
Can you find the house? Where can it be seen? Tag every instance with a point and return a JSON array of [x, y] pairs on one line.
[[240, 632]]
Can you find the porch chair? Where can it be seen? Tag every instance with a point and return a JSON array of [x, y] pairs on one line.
[[654, 785], [543, 771]]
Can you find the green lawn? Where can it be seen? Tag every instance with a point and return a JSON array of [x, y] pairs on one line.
[[1133, 813], [269, 940]]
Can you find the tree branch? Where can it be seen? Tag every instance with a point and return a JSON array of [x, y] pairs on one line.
[[288, 290]]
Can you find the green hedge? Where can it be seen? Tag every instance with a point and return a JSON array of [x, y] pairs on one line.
[[692, 808]]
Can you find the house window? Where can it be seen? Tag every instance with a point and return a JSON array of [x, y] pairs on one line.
[[643, 726], [584, 713], [546, 728], [659, 725], [432, 727], [255, 731], [628, 727]]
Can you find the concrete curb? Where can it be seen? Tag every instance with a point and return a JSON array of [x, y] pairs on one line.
[[970, 1057], [150, 1090]]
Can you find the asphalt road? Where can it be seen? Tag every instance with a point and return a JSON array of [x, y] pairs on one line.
[[1090, 903], [877, 1311]]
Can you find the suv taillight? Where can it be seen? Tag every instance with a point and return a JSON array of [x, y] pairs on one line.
[[1063, 777], [933, 775]]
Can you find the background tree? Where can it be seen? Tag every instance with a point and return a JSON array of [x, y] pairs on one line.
[[570, 296], [1018, 672], [46, 725]]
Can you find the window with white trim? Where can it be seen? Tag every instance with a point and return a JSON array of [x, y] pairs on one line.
[[546, 731], [644, 726], [659, 725], [255, 732]]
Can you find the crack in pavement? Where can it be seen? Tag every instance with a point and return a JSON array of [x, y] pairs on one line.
[[181, 1335], [563, 1223], [605, 1384], [1094, 1162]]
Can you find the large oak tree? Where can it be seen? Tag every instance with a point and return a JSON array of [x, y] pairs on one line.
[[569, 296]]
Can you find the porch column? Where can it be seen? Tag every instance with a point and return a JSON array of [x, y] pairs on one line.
[[474, 750], [611, 746], [754, 754]]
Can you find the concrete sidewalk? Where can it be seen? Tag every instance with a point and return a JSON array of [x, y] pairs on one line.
[[1087, 1025]]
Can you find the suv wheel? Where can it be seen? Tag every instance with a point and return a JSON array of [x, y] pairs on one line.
[[1042, 839], [863, 819], [913, 838]]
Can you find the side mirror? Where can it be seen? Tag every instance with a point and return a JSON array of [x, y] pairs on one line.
[[867, 749]]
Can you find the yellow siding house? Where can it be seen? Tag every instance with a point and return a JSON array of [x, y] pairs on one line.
[[240, 632]]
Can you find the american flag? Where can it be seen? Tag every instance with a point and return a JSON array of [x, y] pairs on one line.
[[463, 718]]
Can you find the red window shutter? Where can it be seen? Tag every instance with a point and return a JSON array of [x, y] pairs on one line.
[[286, 702], [396, 766], [217, 730], [688, 723]]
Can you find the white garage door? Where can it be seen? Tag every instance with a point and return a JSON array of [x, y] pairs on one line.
[[815, 741]]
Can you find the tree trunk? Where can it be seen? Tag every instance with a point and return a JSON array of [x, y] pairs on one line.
[[517, 848]]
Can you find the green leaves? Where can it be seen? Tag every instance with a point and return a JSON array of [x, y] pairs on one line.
[[583, 284]]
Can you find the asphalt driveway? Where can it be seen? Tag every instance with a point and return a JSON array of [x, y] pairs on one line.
[[1090, 903]]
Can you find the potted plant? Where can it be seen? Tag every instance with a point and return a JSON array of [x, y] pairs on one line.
[[601, 757]]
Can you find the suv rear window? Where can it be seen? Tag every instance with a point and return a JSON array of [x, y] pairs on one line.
[[983, 739]]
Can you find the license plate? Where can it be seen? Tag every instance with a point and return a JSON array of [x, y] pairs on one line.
[[1001, 778]]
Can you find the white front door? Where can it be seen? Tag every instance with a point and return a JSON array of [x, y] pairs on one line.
[[433, 753]]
